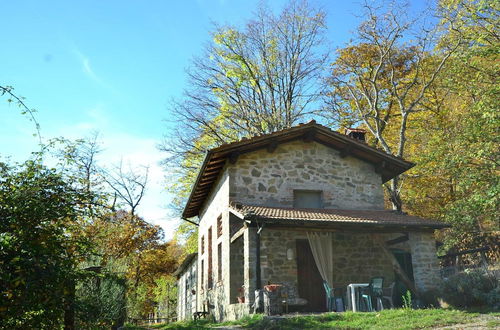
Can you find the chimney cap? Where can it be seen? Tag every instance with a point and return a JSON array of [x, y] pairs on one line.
[[356, 133], [354, 130]]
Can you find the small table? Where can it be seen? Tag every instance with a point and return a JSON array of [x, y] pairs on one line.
[[351, 294]]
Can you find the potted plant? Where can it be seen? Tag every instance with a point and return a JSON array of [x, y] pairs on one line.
[[272, 287]]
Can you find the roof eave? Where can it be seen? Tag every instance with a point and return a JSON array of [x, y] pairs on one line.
[[330, 223], [197, 181], [220, 154]]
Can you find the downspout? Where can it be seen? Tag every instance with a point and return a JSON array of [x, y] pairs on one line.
[[250, 218], [257, 253], [194, 223]]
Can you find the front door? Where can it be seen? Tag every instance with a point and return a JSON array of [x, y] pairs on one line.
[[310, 283]]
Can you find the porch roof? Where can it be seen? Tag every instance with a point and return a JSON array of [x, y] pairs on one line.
[[282, 215]]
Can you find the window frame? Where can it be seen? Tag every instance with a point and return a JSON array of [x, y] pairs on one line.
[[320, 195]]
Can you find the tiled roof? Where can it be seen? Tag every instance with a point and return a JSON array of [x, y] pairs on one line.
[[387, 165], [332, 216]]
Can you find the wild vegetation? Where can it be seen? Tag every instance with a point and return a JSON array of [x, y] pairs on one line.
[[72, 250], [75, 251]]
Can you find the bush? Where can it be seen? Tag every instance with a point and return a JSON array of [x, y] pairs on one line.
[[429, 298], [100, 302], [472, 288]]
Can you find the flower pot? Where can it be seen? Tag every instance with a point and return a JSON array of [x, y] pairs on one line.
[[241, 300], [271, 287]]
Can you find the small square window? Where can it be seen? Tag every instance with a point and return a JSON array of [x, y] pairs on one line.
[[307, 199]]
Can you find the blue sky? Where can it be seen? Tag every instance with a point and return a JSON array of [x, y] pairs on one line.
[[112, 67]]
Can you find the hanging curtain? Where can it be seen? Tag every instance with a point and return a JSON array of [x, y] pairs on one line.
[[322, 251]]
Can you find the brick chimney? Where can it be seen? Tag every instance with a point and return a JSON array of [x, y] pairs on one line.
[[356, 133]]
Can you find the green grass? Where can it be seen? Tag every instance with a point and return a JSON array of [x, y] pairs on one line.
[[388, 319]]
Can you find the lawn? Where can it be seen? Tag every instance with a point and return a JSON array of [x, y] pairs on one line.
[[388, 319]]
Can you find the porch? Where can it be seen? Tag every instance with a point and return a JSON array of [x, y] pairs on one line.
[[279, 252]]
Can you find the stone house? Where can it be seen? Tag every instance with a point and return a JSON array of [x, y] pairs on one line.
[[262, 202], [187, 287]]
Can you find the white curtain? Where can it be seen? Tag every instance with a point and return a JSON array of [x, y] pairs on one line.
[[322, 250]]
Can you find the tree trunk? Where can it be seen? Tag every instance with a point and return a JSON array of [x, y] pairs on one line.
[[395, 264], [69, 306], [395, 195]]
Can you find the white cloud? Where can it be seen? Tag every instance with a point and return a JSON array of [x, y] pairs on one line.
[[135, 151], [87, 68]]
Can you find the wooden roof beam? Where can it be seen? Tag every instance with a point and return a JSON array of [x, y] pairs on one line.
[[380, 167], [233, 157], [272, 146], [346, 151], [309, 135]]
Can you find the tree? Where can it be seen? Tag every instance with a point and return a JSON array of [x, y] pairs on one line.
[[100, 301], [252, 80], [383, 80], [38, 252], [66, 256], [78, 161], [129, 185], [25, 110], [129, 245], [458, 177]]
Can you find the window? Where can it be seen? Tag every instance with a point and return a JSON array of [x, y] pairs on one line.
[[219, 226], [210, 256], [202, 274], [202, 244], [307, 199], [219, 262]]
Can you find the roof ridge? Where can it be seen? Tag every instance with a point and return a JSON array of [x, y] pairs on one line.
[[387, 165], [311, 123]]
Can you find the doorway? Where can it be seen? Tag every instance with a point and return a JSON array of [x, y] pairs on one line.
[[310, 283]]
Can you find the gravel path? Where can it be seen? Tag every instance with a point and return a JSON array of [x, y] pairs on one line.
[[483, 321]]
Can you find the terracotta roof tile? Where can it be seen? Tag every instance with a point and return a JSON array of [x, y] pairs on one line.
[[387, 165], [371, 217]]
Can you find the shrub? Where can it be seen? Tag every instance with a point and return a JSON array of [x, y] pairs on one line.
[[472, 288], [429, 298]]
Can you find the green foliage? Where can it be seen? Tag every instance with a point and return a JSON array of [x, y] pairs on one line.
[[38, 252], [188, 234], [13, 98], [472, 288], [165, 296], [407, 300], [456, 145], [139, 303], [100, 301]]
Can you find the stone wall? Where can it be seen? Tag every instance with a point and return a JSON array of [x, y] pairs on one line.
[[424, 261], [268, 179], [215, 206], [263, 178], [357, 258], [237, 268]]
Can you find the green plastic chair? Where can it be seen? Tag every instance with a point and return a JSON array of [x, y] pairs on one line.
[[330, 297], [375, 293]]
